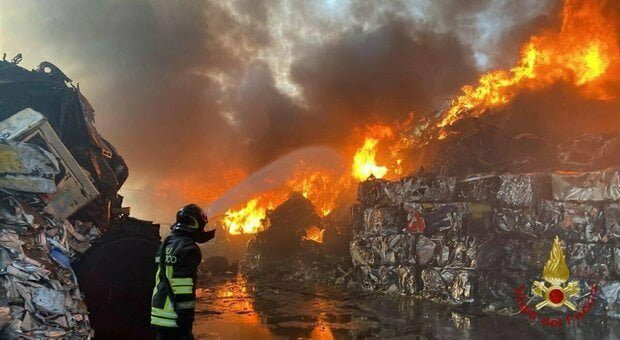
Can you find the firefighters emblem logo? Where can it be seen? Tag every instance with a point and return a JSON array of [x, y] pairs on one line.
[[556, 291]]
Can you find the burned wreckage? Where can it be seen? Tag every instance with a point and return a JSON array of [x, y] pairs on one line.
[[61, 216]]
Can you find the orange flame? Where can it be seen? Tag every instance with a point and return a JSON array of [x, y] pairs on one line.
[[321, 187], [581, 52], [364, 160], [247, 220], [364, 163], [314, 234]]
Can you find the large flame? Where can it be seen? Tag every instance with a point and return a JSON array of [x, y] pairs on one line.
[[247, 220], [322, 187], [364, 162], [580, 52], [365, 158], [555, 270]]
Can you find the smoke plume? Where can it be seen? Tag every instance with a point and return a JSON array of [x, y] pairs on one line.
[[196, 95]]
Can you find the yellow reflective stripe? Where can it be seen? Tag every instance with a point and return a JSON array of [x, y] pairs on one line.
[[185, 305], [182, 281], [182, 290], [169, 270], [163, 322], [160, 312], [168, 305]]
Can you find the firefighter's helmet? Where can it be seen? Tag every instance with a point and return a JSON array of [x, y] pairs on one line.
[[191, 218]]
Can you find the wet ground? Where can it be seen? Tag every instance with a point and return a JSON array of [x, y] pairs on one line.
[[235, 308]]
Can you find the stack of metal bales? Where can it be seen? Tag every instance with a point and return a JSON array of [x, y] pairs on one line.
[[476, 239]]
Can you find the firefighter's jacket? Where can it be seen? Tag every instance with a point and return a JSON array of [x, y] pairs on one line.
[[175, 283]]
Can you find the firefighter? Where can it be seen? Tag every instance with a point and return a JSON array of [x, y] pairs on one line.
[[172, 308]]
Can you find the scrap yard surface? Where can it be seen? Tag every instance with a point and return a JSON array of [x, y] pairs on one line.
[[235, 308]]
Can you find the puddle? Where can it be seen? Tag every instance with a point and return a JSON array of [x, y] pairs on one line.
[[235, 308]]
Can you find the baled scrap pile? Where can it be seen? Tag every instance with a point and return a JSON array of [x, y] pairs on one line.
[[40, 294], [477, 239]]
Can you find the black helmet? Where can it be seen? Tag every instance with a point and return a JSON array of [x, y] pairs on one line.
[[191, 218]]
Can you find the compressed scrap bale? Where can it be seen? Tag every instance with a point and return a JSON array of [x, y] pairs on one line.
[[361, 253], [617, 262], [447, 285], [495, 289], [420, 189], [406, 279], [478, 221], [393, 249], [384, 220], [520, 221], [589, 260], [523, 189], [464, 253], [610, 296], [27, 167], [443, 218], [478, 188], [424, 250], [388, 279], [572, 221], [595, 186], [512, 254], [372, 193], [516, 255], [415, 221], [611, 215]]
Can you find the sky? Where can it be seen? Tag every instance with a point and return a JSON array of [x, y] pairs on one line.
[[196, 95]]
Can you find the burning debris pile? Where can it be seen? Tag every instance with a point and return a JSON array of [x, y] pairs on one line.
[[475, 238], [294, 246]]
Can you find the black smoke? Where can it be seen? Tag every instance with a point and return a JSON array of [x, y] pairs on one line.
[[186, 90]]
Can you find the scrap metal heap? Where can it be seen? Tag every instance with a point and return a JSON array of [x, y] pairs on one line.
[[474, 239], [59, 208], [49, 91], [40, 294]]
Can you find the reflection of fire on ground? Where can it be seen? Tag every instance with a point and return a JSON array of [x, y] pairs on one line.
[[231, 296], [232, 302]]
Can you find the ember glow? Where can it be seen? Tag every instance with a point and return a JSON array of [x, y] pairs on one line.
[[315, 234], [580, 52]]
